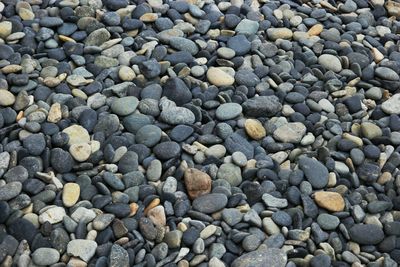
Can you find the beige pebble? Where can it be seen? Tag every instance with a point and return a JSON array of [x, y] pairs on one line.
[[80, 152], [70, 194]]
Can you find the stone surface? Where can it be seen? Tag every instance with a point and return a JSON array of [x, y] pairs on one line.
[[331, 201], [197, 183]]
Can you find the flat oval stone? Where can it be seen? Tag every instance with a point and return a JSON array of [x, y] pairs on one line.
[[210, 203], [366, 234], [125, 105], [228, 111]]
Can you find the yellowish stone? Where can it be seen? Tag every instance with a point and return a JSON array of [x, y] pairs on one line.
[[149, 17], [255, 129], [11, 69], [331, 201], [219, 77], [55, 113], [77, 134], [80, 152], [70, 194], [5, 29], [126, 73], [6, 98], [315, 30], [26, 14]]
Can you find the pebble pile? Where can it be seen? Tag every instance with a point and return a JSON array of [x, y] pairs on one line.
[[237, 133]]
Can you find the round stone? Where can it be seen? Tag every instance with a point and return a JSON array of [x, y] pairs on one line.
[[77, 134], [45, 256], [228, 111], [230, 173], [255, 129], [125, 105], [80, 152], [6, 98], [218, 77], [330, 62]]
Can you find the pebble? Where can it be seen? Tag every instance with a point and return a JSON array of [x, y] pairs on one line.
[[330, 201], [82, 248], [264, 257], [228, 111], [219, 77], [199, 133], [330, 62], [290, 133], [6, 98], [210, 203], [197, 183], [45, 256], [255, 129], [70, 194], [392, 105], [315, 172], [358, 234]]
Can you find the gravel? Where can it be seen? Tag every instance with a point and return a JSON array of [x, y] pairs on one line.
[[199, 133]]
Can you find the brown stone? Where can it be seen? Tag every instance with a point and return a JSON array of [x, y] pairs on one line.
[[197, 183], [157, 216], [331, 201], [255, 129], [134, 208], [393, 8], [315, 30], [155, 202]]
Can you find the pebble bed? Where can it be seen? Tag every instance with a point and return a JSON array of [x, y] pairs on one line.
[[237, 133]]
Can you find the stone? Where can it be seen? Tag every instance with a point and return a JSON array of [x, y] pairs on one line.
[[228, 111], [184, 44], [330, 201], [125, 105], [230, 173], [97, 37], [291, 132], [70, 194], [247, 27], [5, 29], [255, 129], [77, 134], [157, 216], [315, 172], [177, 115], [61, 160], [279, 33], [197, 183], [370, 130], [386, 74], [80, 152], [219, 77], [274, 202], [126, 74], [119, 257], [45, 256], [328, 222], [330, 62], [52, 215], [262, 106], [6, 98], [392, 105], [210, 203], [272, 257], [10, 190], [82, 248], [366, 234]]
